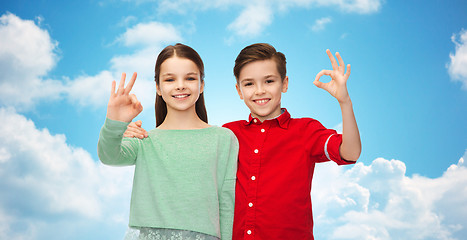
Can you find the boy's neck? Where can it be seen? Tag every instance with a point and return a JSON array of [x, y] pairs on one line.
[[262, 119]]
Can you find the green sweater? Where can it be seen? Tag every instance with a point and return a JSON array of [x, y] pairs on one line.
[[184, 179]]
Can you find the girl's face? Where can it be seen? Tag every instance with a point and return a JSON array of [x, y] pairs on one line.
[[179, 84]]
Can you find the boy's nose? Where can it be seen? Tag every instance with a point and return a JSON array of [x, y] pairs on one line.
[[259, 90]]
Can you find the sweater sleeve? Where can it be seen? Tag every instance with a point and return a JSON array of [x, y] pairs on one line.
[[110, 147], [227, 190]]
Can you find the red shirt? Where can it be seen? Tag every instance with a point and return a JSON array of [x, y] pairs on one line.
[[275, 168]]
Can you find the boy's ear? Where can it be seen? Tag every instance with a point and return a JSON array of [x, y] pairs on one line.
[[239, 91], [285, 84]]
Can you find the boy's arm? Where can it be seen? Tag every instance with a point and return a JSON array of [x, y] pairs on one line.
[[351, 146]]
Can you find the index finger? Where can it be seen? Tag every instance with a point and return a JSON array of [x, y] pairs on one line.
[[341, 61], [130, 83], [333, 60]]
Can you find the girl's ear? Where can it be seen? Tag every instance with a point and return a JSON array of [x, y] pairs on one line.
[[158, 90], [201, 88]]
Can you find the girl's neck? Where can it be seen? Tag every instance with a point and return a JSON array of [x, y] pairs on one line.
[[182, 120]]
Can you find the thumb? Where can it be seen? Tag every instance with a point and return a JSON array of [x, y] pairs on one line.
[[318, 84], [139, 123]]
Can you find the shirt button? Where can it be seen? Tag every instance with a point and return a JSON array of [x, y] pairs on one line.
[[256, 150], [262, 130], [254, 120], [249, 232], [250, 204], [253, 178]]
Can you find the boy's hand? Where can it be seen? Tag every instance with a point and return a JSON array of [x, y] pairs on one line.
[[134, 129], [337, 87], [122, 105]]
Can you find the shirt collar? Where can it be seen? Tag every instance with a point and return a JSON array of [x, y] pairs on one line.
[[282, 120]]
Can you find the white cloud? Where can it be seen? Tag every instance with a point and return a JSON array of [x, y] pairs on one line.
[[252, 20], [51, 183], [320, 24], [27, 54], [457, 68], [380, 202], [256, 15], [56, 189], [150, 34]]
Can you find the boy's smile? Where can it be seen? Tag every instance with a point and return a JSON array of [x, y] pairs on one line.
[[261, 87]]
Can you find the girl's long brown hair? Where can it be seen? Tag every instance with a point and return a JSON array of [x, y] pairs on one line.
[[182, 51]]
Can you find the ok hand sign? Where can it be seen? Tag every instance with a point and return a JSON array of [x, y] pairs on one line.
[[122, 105], [337, 87]]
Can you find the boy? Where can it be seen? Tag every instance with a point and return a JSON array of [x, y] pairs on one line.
[[278, 153]]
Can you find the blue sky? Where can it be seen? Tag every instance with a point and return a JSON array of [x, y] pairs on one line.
[[408, 86]]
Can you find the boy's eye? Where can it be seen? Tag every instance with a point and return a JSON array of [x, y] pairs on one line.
[[191, 79], [169, 80], [269, 81], [247, 84]]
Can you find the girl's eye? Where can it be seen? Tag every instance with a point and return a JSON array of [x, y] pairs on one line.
[[191, 79], [269, 81], [169, 80], [247, 84]]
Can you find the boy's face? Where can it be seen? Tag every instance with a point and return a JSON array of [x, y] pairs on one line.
[[260, 86]]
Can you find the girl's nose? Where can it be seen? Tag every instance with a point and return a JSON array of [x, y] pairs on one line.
[[180, 85]]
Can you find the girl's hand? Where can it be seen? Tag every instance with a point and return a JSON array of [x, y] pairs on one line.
[[122, 105], [134, 129], [337, 87]]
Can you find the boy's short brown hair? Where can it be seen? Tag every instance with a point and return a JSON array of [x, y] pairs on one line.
[[258, 52]]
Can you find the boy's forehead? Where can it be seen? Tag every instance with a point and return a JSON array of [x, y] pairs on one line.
[[259, 68]]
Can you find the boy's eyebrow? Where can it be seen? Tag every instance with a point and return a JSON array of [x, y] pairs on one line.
[[265, 77]]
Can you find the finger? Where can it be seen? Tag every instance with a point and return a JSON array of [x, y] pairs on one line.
[[347, 74], [130, 84], [333, 60], [341, 61], [134, 100], [139, 123], [121, 85], [322, 73], [112, 89], [134, 131], [321, 85]]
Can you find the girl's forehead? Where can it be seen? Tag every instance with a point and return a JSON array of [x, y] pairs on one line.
[[179, 65]]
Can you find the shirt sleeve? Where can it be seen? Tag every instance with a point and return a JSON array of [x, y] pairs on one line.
[[110, 147], [324, 144], [227, 189]]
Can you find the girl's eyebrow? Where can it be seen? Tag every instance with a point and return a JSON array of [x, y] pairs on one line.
[[167, 74]]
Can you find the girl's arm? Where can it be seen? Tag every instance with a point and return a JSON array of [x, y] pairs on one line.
[[111, 150], [227, 189], [351, 146], [121, 109]]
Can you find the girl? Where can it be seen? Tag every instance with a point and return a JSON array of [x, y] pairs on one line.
[[185, 169]]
